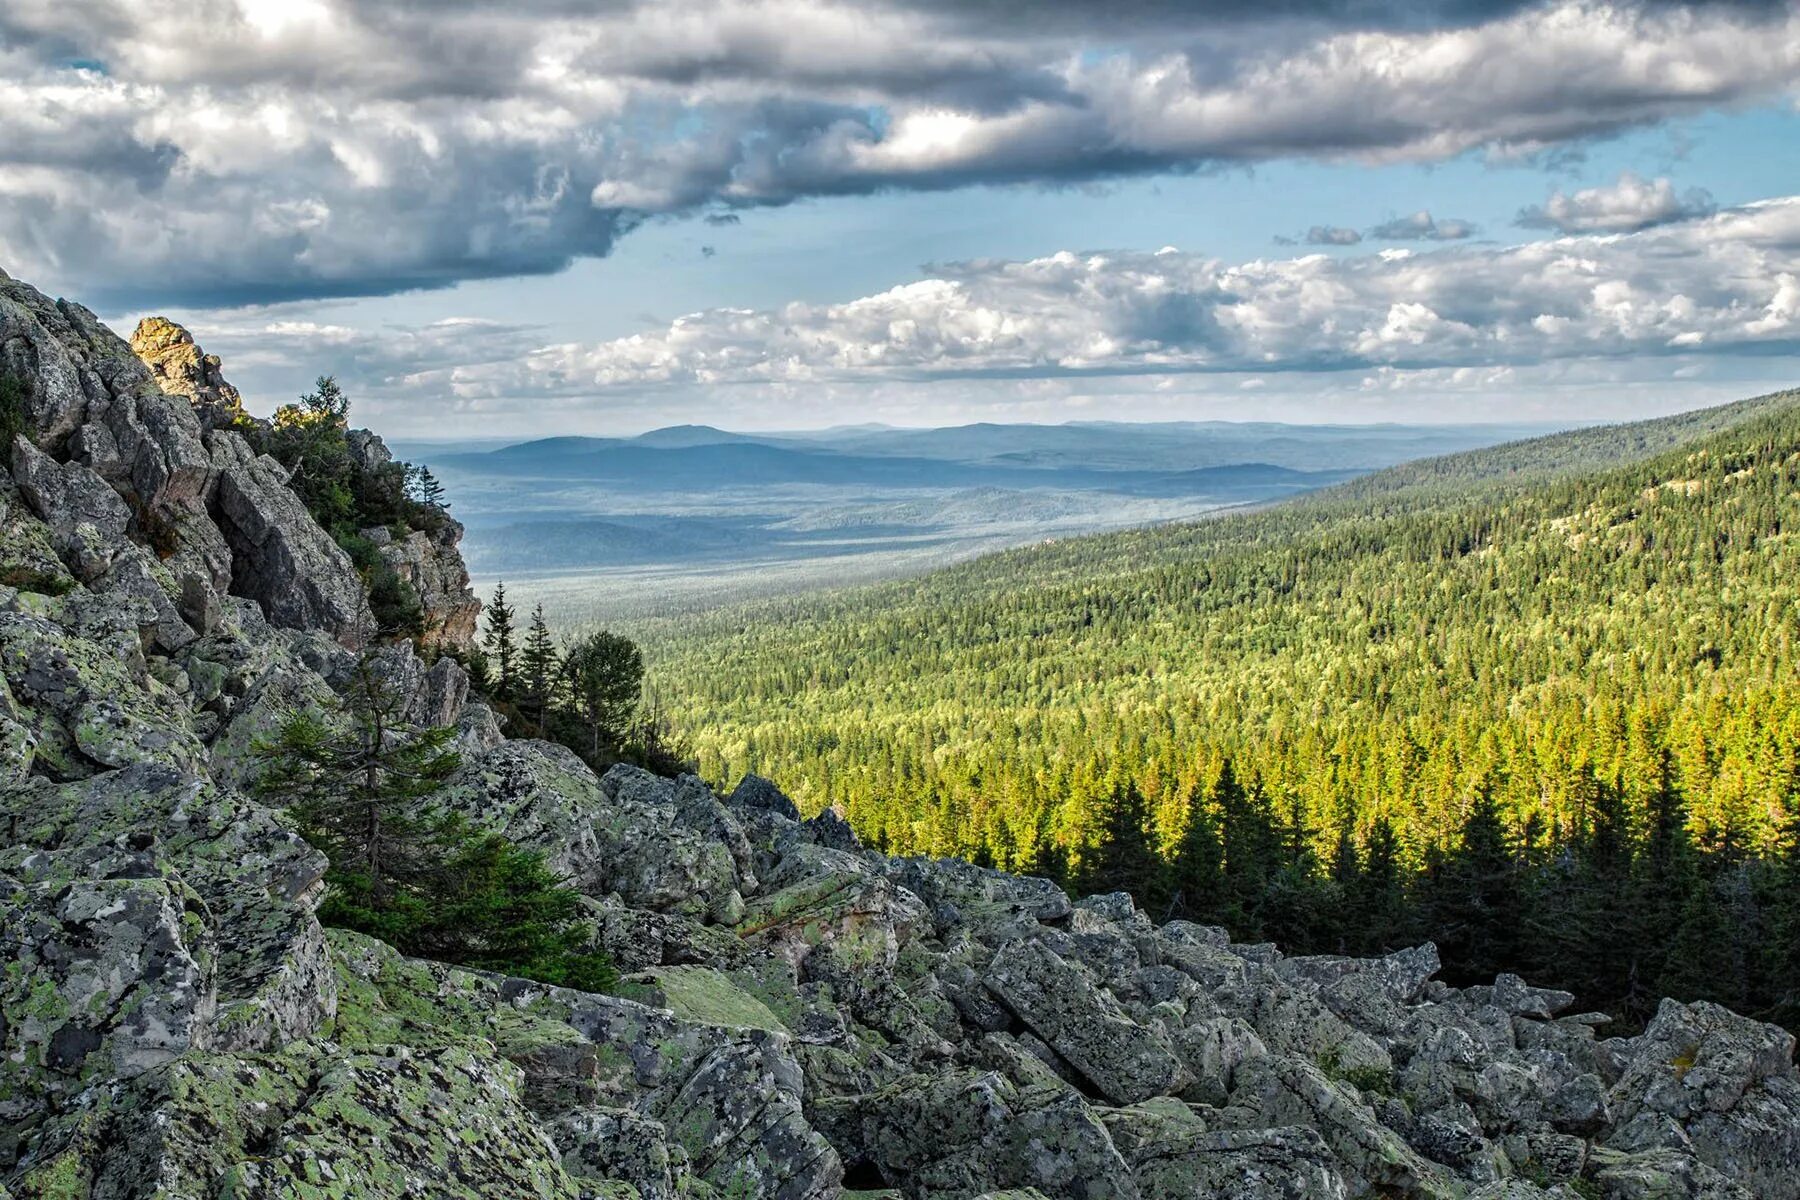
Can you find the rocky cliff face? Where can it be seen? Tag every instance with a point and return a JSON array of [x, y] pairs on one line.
[[182, 369], [800, 1017], [428, 562]]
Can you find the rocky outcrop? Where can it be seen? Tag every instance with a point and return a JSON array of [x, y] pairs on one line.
[[280, 557], [111, 459], [182, 369], [799, 1017], [426, 560], [432, 566]]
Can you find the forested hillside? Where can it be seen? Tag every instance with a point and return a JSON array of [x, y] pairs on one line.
[[1445, 699]]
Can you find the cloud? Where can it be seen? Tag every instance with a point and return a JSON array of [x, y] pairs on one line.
[[241, 151], [1422, 227], [1630, 204], [1332, 235], [1724, 286]]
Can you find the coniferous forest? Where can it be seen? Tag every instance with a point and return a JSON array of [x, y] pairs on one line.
[[1538, 704]]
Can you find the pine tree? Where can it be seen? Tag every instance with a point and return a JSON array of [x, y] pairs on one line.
[[1123, 858], [1473, 898], [606, 680], [539, 668], [502, 664], [360, 786], [1252, 851], [431, 491], [1196, 874]]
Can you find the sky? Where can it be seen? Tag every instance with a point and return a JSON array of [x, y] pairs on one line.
[[552, 216]]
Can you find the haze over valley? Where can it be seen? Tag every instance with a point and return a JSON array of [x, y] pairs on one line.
[[685, 517]]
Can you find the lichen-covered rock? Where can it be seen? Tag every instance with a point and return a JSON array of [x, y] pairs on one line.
[[280, 557], [1275, 1091], [182, 369], [1125, 1061], [727, 1092], [429, 563], [94, 700], [87, 520], [1705, 1081]]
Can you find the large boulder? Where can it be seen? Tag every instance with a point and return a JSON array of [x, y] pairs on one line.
[[1703, 1080], [86, 518], [1123, 1061], [280, 556], [664, 845], [182, 369]]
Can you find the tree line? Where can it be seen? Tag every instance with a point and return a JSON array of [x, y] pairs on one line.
[[587, 696], [1522, 630]]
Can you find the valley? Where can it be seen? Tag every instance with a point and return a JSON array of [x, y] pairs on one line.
[[681, 519]]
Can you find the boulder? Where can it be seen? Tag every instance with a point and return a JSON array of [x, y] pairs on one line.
[[1703, 1080], [1123, 1061], [87, 520], [280, 557]]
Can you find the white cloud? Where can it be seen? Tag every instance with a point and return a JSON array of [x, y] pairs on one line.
[[1629, 204], [243, 150], [1724, 287]]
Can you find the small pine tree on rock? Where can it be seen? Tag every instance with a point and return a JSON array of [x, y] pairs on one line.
[[360, 786], [539, 670]]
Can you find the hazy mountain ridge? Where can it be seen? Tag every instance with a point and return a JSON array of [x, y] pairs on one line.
[[766, 512]]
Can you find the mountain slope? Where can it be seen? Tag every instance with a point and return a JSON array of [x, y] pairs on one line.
[[1377, 649]]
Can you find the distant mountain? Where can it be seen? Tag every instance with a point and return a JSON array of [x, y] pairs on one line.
[[677, 436], [701, 498]]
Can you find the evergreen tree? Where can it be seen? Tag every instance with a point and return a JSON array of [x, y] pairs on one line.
[[1666, 875], [1473, 898], [1196, 874], [497, 645], [431, 492], [606, 681], [359, 785], [1782, 956], [1376, 912], [1123, 858], [1251, 847], [539, 669]]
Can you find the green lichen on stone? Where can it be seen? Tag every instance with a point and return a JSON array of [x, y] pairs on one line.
[[28, 561], [701, 994]]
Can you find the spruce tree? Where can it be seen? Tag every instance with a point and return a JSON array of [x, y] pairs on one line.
[[1196, 873], [501, 654], [431, 491], [539, 667], [1123, 859], [1252, 851], [360, 786], [1473, 897]]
